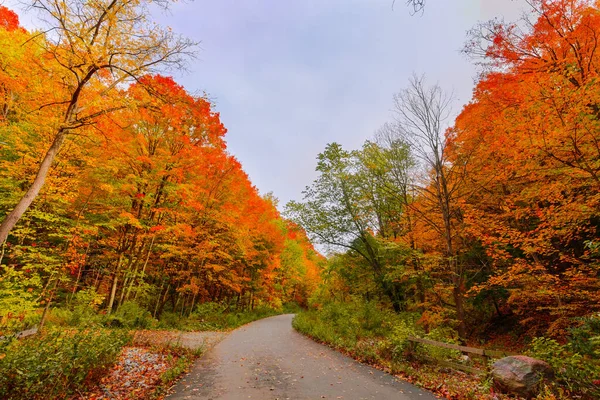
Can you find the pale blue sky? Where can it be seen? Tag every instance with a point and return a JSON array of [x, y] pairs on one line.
[[290, 76]]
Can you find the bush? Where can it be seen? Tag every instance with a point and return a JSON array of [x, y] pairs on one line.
[[58, 363], [169, 320], [81, 312], [212, 316], [571, 369], [292, 308], [585, 339], [19, 300], [361, 328], [445, 335], [130, 315], [399, 337]]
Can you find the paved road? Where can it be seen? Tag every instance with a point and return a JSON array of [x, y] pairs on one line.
[[268, 360]]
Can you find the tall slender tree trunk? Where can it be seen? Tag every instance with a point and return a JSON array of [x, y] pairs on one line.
[[143, 270], [164, 300], [162, 284], [113, 291], [2, 249], [193, 304], [13, 217], [47, 307]]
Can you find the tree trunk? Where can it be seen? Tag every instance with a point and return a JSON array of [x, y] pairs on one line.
[[193, 304], [2, 252], [158, 299], [47, 307], [143, 270], [127, 277], [113, 293], [13, 217]]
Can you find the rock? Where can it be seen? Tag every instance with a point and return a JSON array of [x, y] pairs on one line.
[[520, 375]]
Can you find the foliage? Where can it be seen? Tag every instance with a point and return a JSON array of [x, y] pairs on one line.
[[486, 225], [18, 301], [345, 325], [168, 222], [571, 369], [58, 363], [585, 338], [130, 315], [213, 317]]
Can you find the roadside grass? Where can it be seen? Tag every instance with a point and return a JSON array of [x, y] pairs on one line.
[[57, 363], [130, 315], [79, 351], [379, 338]]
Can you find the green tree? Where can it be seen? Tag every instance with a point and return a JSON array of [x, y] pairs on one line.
[[347, 207]]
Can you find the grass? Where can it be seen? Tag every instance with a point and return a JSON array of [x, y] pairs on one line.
[[378, 337]]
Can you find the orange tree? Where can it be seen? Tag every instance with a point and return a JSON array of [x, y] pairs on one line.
[[529, 139]]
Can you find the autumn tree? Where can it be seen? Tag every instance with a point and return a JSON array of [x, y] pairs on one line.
[[532, 128], [422, 117], [91, 50]]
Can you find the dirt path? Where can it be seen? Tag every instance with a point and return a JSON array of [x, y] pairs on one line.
[[268, 360]]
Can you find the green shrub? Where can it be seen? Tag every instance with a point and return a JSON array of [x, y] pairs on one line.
[[234, 320], [373, 320], [571, 369], [82, 311], [213, 317], [56, 364], [291, 308], [130, 315], [209, 310], [19, 300], [169, 320], [445, 335], [585, 339], [361, 328]]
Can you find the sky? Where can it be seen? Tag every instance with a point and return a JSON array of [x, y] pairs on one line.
[[290, 76]]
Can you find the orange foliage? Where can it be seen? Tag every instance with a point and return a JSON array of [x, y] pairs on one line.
[[529, 139]]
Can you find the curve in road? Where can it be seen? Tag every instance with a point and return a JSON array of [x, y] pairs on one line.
[[268, 360]]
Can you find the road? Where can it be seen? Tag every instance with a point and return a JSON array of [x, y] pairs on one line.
[[269, 360]]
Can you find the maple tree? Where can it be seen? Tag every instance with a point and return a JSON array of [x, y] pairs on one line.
[[532, 127], [144, 204], [93, 50], [9, 20]]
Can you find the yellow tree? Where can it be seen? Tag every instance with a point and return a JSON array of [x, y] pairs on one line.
[[91, 50]]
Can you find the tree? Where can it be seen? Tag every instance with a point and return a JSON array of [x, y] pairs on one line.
[[422, 115], [9, 20], [417, 5], [532, 132], [345, 207], [92, 50]]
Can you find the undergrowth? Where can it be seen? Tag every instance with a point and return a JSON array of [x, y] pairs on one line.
[[58, 362], [379, 337]]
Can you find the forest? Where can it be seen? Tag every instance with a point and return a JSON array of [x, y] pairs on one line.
[[121, 208], [143, 202], [120, 204], [481, 229]]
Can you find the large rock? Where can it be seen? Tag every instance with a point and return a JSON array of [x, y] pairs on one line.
[[520, 375]]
